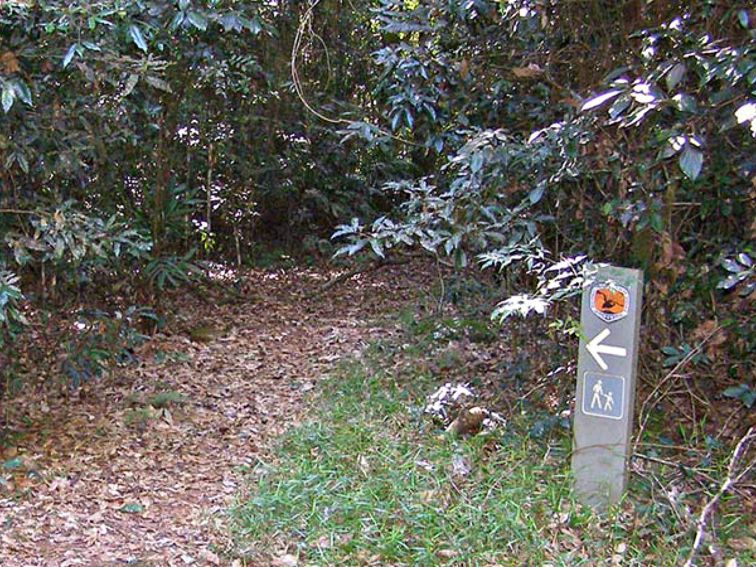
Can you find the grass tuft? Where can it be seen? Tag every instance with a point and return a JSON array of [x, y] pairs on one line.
[[165, 399]]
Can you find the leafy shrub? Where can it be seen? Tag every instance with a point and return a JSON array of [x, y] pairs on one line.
[[482, 201], [170, 271], [165, 399], [66, 239], [742, 274], [102, 340], [661, 154], [11, 316]]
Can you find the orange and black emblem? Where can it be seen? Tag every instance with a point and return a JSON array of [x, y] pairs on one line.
[[609, 303]]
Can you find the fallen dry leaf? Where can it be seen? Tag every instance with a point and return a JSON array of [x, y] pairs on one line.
[[528, 72], [287, 560]]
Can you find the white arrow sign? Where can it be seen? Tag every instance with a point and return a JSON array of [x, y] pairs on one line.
[[597, 349]]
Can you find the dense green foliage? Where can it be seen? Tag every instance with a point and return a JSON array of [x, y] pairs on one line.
[[537, 137], [557, 135], [136, 135], [653, 170]]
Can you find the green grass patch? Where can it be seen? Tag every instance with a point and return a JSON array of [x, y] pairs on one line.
[[165, 399], [368, 481]]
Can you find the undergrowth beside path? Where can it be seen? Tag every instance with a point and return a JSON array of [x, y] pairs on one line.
[[369, 480]]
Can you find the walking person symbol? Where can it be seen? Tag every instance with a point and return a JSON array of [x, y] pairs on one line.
[[609, 405], [598, 392]]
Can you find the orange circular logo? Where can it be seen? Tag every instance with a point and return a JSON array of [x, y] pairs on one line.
[[610, 302]]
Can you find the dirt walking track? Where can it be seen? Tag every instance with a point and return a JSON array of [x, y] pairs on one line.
[[108, 479]]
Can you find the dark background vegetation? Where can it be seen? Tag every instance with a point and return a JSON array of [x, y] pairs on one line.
[[142, 139]]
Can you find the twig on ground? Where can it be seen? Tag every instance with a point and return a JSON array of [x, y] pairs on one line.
[[441, 283], [725, 426], [731, 480], [657, 460], [644, 414], [674, 465], [24, 212], [538, 386]]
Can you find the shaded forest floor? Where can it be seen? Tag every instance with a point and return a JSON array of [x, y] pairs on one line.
[[179, 457], [142, 467]]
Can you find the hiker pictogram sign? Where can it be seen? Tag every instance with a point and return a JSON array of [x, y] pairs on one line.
[[610, 302], [604, 395], [610, 315]]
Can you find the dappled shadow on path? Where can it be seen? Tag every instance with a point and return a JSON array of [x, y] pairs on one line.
[[140, 468]]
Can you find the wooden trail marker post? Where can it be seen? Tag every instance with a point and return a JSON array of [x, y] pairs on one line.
[[605, 397]]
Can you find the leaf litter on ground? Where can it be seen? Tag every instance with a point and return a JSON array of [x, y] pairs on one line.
[[140, 467]]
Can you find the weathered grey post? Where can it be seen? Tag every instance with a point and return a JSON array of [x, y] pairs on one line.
[[605, 397]]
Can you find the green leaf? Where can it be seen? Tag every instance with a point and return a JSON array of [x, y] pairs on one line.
[[159, 84], [691, 162], [377, 247], [137, 37], [22, 91], [685, 103], [743, 18], [448, 247], [674, 144], [68, 57], [599, 100], [395, 120], [537, 194], [131, 82], [656, 222], [460, 258], [252, 25], [230, 22], [356, 247], [184, 4], [675, 75], [732, 266], [742, 393], [620, 105], [670, 361], [476, 163], [198, 20], [91, 46], [132, 508], [22, 163], [14, 463], [178, 19], [729, 282], [409, 118], [8, 97]]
